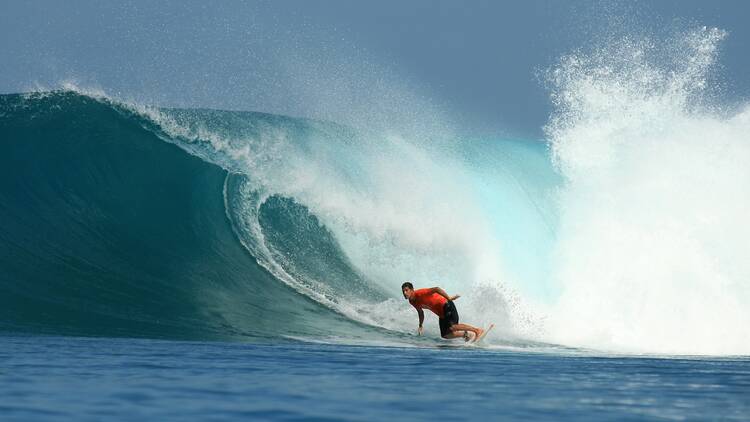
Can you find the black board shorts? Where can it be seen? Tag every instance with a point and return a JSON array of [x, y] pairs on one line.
[[450, 317]]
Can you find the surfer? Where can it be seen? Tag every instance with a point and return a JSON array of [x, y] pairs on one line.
[[436, 300]]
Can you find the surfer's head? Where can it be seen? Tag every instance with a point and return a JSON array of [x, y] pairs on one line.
[[407, 289]]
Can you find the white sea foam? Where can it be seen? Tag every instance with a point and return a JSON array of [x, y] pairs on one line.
[[653, 242]]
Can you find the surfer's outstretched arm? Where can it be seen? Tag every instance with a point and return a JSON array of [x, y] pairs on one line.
[[421, 320], [442, 293]]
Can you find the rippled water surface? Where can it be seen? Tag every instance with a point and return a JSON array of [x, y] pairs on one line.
[[69, 378]]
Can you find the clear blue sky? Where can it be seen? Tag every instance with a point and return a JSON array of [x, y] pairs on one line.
[[476, 61]]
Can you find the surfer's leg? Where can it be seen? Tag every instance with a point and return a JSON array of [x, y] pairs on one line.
[[454, 334], [447, 331], [451, 328], [460, 328]]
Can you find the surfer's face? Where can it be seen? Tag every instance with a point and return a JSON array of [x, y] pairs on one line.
[[407, 292]]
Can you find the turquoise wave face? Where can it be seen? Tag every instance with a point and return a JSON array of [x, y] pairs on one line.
[[107, 230]]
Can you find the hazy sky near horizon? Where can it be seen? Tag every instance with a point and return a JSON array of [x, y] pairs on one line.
[[476, 62]]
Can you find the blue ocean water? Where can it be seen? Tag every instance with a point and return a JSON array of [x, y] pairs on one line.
[[73, 378]]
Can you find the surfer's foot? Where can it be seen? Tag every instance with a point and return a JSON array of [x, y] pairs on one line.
[[477, 334]]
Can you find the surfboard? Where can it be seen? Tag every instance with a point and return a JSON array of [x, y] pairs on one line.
[[484, 334]]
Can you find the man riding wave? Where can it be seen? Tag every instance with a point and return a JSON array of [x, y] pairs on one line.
[[437, 300]]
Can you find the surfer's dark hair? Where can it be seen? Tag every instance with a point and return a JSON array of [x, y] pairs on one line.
[[407, 284]]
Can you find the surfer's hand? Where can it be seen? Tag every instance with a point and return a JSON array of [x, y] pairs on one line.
[[419, 331], [452, 298]]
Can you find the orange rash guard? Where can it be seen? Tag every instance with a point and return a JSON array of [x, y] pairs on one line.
[[424, 299]]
